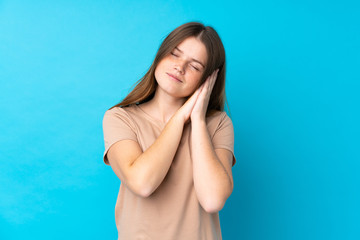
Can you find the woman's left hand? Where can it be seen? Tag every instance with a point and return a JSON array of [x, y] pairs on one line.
[[200, 107]]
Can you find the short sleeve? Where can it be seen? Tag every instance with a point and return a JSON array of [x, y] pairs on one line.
[[224, 135], [117, 125]]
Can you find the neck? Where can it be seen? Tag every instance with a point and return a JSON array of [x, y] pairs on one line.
[[163, 106]]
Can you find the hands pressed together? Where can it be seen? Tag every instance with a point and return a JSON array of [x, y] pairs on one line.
[[195, 107]]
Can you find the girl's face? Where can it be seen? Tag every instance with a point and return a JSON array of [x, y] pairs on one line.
[[179, 73]]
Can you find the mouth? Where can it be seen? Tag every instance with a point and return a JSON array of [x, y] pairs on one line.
[[173, 77]]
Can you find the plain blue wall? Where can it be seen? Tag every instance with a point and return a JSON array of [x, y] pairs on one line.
[[293, 88]]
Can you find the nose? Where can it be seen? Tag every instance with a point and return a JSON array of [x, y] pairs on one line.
[[180, 66]]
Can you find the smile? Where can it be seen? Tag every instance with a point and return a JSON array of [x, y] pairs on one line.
[[173, 77]]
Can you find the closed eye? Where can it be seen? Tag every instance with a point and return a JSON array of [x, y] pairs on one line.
[[172, 53], [197, 69]]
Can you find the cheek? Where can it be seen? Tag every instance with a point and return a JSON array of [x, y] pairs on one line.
[[194, 83], [196, 80], [161, 67], [156, 74], [158, 71]]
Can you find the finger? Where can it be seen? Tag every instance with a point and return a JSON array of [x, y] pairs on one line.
[[213, 76], [203, 91], [212, 79], [206, 92], [192, 99], [208, 85], [196, 93]]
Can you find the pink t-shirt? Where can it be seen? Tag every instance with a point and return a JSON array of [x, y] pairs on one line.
[[173, 210]]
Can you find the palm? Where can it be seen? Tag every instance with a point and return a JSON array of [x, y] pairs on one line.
[[202, 101]]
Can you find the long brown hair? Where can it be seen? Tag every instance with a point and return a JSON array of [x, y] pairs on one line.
[[146, 86]]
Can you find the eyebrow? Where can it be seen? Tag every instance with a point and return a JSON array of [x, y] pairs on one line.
[[193, 59]]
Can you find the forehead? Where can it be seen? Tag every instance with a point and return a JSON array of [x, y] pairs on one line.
[[193, 48]]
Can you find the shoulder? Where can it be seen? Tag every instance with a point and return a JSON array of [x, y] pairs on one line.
[[217, 118], [119, 114]]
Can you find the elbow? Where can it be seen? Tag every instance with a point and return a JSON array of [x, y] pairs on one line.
[[142, 190], [132, 180], [213, 206]]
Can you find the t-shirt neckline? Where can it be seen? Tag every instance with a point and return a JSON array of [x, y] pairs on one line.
[[156, 121]]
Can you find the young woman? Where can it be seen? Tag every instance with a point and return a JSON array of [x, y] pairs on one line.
[[171, 144]]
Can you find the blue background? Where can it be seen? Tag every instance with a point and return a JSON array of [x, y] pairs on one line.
[[293, 86]]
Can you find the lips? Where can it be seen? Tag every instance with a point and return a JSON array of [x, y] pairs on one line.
[[173, 77]]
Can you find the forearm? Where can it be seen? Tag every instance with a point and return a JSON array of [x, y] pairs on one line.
[[212, 183], [151, 167]]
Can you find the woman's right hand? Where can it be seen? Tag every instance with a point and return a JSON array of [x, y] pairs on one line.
[[185, 111]]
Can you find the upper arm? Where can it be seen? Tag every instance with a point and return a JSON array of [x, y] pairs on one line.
[[121, 156], [223, 138], [223, 142], [226, 158], [121, 146], [117, 126]]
